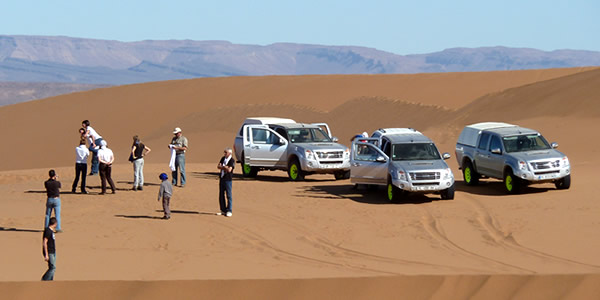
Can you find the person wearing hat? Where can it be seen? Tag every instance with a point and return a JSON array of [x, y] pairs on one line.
[[165, 192], [180, 144], [106, 158]]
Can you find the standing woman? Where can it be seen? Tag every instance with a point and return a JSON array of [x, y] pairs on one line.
[[138, 151]]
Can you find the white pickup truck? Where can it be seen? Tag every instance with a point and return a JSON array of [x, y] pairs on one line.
[[298, 148], [517, 155]]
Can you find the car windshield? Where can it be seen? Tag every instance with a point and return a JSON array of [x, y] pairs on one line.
[[522, 143], [307, 135], [415, 151]]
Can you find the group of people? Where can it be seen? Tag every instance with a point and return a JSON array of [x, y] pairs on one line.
[[102, 160]]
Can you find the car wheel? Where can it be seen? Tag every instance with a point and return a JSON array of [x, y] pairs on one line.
[[295, 171], [470, 176], [448, 194], [563, 183], [512, 183], [247, 170]]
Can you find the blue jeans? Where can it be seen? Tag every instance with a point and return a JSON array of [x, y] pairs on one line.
[[138, 173], [53, 203], [225, 187], [179, 163], [49, 275], [95, 160]]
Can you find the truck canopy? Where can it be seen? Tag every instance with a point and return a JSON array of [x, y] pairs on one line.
[[471, 132]]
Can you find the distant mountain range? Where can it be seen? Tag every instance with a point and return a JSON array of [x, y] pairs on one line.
[[78, 60]]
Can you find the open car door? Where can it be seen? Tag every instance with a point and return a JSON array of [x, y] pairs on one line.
[[368, 164], [263, 147]]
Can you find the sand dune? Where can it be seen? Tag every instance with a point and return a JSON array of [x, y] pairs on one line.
[[313, 239]]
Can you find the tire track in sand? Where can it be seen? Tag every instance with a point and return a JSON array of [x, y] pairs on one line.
[[491, 229], [317, 241], [434, 228]]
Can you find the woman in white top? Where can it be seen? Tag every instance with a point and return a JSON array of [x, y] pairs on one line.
[[94, 139]]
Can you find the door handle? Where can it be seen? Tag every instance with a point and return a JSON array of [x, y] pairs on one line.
[[254, 147]]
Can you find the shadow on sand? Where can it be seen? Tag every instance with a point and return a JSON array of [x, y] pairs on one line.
[[494, 188], [360, 194], [19, 229], [259, 177]]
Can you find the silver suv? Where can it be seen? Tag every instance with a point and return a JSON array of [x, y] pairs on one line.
[[298, 148], [403, 159], [517, 155]]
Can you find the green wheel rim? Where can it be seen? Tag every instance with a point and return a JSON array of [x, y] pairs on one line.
[[390, 191], [509, 183], [247, 169], [294, 171], [468, 175]]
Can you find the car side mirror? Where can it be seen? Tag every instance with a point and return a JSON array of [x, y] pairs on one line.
[[446, 155], [554, 145], [281, 141], [496, 151], [380, 159], [335, 139]]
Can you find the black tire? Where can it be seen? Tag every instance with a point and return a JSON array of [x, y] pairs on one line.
[[295, 172], [448, 194], [512, 183], [470, 176], [563, 183], [248, 171], [341, 175]]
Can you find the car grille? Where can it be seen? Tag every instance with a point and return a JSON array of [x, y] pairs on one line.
[[542, 165], [331, 162], [425, 183], [329, 154], [424, 175], [546, 172]]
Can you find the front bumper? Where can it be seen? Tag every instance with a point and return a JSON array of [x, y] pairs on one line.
[[545, 175], [423, 186], [324, 167]]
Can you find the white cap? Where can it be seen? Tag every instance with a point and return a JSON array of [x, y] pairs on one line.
[[103, 143], [365, 134], [177, 130]]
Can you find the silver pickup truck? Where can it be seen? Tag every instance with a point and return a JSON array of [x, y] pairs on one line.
[[517, 155], [403, 159], [298, 148]]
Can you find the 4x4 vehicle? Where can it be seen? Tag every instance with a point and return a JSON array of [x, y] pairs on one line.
[[298, 148], [403, 159], [517, 155]]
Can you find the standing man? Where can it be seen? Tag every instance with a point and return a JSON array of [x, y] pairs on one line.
[[106, 158], [180, 144], [94, 139], [226, 165], [49, 249], [81, 156], [53, 203]]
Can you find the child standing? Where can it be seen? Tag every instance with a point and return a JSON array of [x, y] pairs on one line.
[[166, 191]]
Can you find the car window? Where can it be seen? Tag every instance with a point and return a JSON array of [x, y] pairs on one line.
[[307, 135], [262, 136], [282, 132], [521, 143], [483, 141], [495, 143], [363, 152], [387, 147], [415, 151]]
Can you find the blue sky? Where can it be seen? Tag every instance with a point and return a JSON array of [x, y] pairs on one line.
[[402, 27]]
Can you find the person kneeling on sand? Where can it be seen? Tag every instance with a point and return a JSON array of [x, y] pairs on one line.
[[166, 192]]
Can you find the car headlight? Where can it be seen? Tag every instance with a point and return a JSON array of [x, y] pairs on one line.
[[447, 174], [565, 162], [347, 152], [522, 165], [309, 154], [401, 175]]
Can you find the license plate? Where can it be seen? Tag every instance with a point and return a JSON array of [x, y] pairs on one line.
[[425, 188], [332, 166], [549, 176]]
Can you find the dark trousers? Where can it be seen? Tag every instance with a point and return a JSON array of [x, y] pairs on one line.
[[80, 169], [95, 161], [105, 171], [225, 187]]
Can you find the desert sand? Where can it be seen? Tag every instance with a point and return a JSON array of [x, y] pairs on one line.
[[303, 240]]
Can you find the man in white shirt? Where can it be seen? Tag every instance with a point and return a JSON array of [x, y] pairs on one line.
[[106, 158], [81, 156], [94, 139]]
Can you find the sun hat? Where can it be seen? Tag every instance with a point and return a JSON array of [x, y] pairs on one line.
[[177, 130]]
